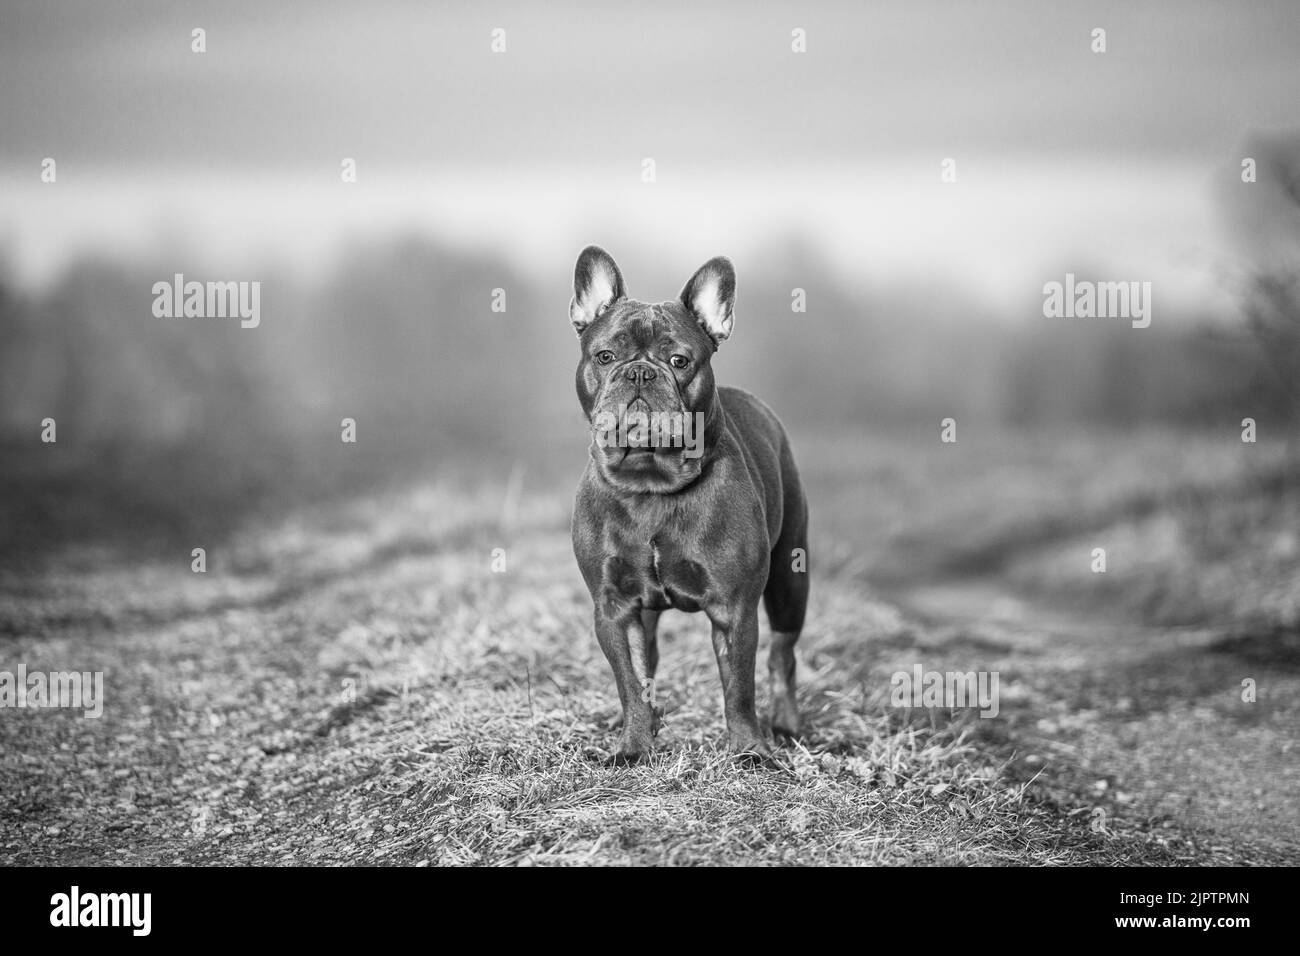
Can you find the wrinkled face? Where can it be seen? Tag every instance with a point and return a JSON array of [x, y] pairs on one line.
[[645, 382], [644, 378]]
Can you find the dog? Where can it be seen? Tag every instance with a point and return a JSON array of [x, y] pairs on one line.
[[711, 524]]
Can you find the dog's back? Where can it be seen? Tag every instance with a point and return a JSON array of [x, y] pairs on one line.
[[766, 449]]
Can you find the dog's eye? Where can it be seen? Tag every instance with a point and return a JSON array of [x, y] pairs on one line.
[[679, 361], [605, 357]]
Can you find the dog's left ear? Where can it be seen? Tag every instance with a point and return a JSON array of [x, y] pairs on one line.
[[597, 284], [710, 296]]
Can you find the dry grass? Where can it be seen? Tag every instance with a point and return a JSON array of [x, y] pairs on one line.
[[357, 686]]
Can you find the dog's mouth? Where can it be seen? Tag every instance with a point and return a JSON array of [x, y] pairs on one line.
[[641, 455], [646, 455], [637, 432], [646, 444], [640, 449]]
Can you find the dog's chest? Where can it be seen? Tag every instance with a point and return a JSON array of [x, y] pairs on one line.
[[661, 563], [672, 578]]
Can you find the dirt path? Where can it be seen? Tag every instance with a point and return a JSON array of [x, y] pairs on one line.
[[370, 690], [1155, 716]]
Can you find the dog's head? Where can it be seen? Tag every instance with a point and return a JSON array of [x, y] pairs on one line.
[[644, 376]]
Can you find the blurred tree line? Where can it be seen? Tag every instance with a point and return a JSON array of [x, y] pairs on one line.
[[182, 423]]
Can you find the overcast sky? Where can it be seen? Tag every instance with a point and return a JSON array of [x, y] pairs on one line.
[[853, 128], [289, 82]]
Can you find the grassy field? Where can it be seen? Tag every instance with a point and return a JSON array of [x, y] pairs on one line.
[[352, 683]]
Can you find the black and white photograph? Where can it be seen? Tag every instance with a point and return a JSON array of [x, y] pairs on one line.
[[817, 435]]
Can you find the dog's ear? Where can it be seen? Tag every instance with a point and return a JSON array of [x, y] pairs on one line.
[[710, 296], [597, 284]]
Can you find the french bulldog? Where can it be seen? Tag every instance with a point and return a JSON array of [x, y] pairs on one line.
[[711, 520]]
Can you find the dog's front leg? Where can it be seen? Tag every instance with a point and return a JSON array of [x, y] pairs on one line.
[[623, 640], [735, 643]]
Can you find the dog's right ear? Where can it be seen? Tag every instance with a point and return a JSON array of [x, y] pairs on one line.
[[597, 284]]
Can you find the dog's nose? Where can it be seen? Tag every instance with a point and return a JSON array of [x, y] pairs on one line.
[[639, 373]]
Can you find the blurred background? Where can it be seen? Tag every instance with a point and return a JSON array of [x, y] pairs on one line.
[[480, 170], [493, 141]]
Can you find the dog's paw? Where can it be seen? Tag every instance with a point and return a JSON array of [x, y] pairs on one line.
[[656, 721], [749, 744], [626, 758], [784, 736], [784, 730], [785, 719], [755, 760]]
